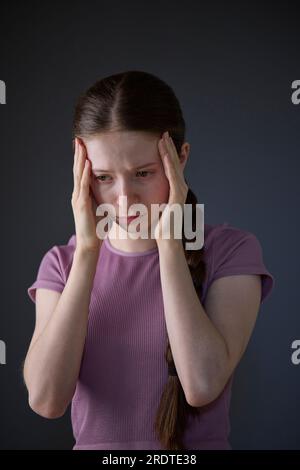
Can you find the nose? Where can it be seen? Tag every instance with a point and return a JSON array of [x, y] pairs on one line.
[[126, 196]]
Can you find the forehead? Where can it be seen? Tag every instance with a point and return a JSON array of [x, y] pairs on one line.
[[120, 143], [122, 150]]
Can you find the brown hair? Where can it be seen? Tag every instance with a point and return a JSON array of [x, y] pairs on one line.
[[139, 101]]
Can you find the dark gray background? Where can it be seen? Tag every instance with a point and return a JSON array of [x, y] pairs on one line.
[[231, 65]]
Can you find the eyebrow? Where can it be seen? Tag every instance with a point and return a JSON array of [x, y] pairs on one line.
[[137, 168]]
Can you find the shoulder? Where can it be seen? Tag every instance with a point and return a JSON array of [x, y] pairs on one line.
[[224, 240], [54, 268], [223, 233], [60, 256], [62, 253], [230, 250]]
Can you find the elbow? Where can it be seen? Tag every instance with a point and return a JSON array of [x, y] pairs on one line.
[[203, 395], [206, 391], [47, 409], [199, 399]]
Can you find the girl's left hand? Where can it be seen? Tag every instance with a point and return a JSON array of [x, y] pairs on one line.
[[177, 195]]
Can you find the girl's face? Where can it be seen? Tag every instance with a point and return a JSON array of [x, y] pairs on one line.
[[127, 163]]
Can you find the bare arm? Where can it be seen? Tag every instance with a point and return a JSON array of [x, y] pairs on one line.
[[207, 344], [53, 361]]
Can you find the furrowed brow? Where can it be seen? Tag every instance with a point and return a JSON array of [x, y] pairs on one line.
[[137, 168]]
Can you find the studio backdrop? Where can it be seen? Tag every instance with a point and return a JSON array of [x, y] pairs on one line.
[[234, 68]]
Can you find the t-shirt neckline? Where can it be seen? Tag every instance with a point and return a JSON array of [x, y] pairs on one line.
[[127, 253]]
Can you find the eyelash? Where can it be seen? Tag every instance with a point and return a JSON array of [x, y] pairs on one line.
[[100, 176]]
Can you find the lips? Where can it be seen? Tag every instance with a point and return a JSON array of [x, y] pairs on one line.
[[128, 219]]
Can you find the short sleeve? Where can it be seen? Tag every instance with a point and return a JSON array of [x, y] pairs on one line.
[[237, 251], [52, 272]]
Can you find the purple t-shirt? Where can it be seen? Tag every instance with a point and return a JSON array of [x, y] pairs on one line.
[[123, 369]]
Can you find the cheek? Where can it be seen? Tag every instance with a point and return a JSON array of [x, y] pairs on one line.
[[98, 191], [159, 191]]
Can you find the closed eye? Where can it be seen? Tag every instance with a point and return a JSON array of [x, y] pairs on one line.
[[101, 176], [143, 172], [140, 172]]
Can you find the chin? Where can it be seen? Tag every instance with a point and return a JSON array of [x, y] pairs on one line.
[[131, 228]]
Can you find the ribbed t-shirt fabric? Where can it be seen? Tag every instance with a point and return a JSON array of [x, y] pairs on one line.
[[123, 369]]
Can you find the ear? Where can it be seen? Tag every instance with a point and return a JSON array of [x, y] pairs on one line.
[[184, 154]]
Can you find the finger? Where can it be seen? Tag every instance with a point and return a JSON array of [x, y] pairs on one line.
[[170, 170], [81, 157], [80, 164], [168, 161], [167, 158], [76, 149], [166, 148], [173, 150], [84, 183], [173, 153], [75, 152], [162, 150], [75, 165], [79, 167], [174, 160], [175, 171]]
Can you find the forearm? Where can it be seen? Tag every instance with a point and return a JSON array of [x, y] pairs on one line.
[[199, 351], [52, 364]]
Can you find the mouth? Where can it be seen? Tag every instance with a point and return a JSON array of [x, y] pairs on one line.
[[128, 219]]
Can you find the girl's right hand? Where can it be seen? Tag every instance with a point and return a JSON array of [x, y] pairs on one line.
[[83, 202]]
